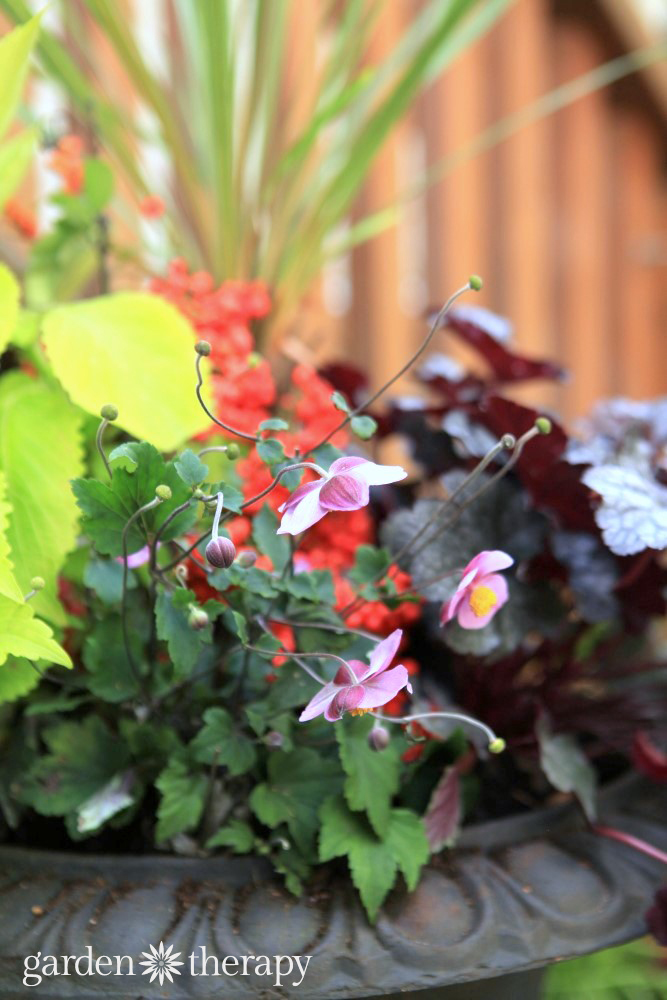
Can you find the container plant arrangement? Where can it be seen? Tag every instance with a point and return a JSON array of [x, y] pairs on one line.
[[243, 668]]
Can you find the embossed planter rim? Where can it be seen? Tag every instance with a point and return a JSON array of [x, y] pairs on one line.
[[469, 919]]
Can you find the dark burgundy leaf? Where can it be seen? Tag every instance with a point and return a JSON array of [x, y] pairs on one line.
[[553, 483], [347, 379], [443, 815], [648, 758], [656, 917]]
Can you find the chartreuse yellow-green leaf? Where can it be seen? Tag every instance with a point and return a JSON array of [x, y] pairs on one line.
[[132, 349], [21, 634], [15, 158], [9, 586], [15, 49], [9, 305], [40, 452]]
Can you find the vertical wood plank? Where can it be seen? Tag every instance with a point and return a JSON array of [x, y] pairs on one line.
[[583, 251], [642, 336], [527, 184]]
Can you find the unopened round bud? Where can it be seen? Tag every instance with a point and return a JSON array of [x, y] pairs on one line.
[[378, 738], [37, 583], [497, 745], [163, 492], [543, 425], [221, 552], [274, 740], [181, 572], [508, 441], [254, 359], [475, 282], [233, 451], [109, 412], [198, 494], [203, 347], [197, 619], [246, 559]]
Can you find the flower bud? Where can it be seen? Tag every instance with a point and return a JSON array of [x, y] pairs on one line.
[[181, 572], [197, 619], [508, 441], [203, 348], [246, 559], [109, 412], [378, 738], [198, 494], [497, 745], [37, 583], [163, 492], [475, 282], [221, 552], [543, 425], [233, 451], [274, 740]]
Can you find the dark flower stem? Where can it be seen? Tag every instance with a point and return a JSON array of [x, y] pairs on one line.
[[226, 427], [435, 325]]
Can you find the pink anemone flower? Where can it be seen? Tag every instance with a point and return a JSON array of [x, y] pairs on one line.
[[344, 488], [359, 687], [481, 592], [138, 558]]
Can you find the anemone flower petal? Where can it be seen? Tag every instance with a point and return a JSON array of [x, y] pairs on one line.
[[346, 699], [383, 654], [301, 515], [344, 492], [378, 475], [490, 561], [319, 702], [346, 463], [383, 687]]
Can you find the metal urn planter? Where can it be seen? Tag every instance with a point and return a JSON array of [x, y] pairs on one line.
[[514, 896]]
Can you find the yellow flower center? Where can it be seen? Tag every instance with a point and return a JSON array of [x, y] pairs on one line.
[[482, 600], [360, 711]]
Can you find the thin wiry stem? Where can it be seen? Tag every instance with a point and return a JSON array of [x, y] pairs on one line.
[[220, 423], [100, 447], [155, 502], [453, 716], [408, 364]]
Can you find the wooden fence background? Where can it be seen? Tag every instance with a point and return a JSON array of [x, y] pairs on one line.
[[566, 222]]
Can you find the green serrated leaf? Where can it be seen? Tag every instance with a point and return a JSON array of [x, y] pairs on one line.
[[82, 758], [18, 677], [374, 862], [105, 578], [567, 767], [111, 677], [370, 564], [184, 642], [271, 451], [363, 426], [276, 547], [237, 835], [190, 468], [274, 424], [372, 778], [182, 786], [219, 741], [297, 784]]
